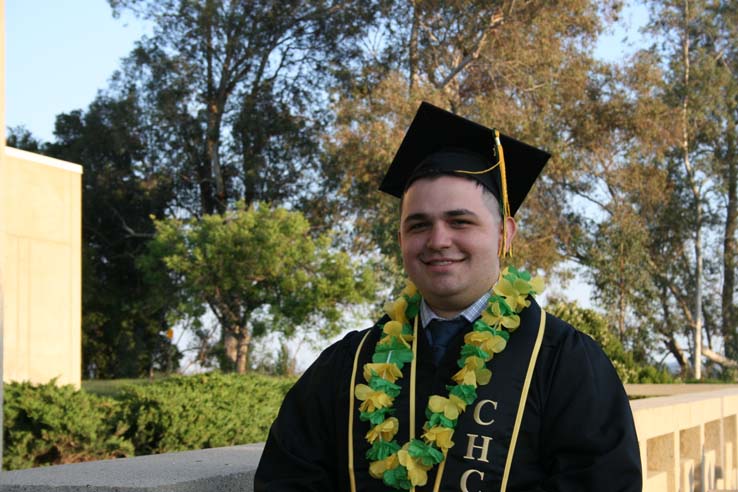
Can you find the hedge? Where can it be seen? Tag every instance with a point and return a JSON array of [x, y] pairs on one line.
[[203, 411], [47, 424]]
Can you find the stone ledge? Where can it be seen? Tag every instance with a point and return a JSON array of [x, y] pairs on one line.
[[227, 469]]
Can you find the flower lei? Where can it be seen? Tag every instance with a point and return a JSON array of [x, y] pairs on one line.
[[404, 467]]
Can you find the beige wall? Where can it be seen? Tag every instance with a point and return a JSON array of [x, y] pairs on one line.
[[689, 441], [41, 202]]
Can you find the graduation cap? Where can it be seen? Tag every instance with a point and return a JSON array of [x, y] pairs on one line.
[[440, 142]]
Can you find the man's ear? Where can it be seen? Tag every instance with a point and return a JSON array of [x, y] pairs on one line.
[[510, 229]]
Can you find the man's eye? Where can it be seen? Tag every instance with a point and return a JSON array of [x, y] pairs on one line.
[[416, 226]]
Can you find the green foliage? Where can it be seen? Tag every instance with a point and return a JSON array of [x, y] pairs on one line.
[[259, 270], [49, 425], [202, 411], [123, 325], [234, 90], [595, 325]]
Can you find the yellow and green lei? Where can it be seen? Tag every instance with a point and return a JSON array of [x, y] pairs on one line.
[[404, 467]]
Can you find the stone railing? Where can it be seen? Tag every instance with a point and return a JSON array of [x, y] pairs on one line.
[[687, 439], [228, 469], [688, 436]]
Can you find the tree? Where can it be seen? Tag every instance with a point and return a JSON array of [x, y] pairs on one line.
[[259, 271], [664, 186], [519, 67], [124, 332], [233, 89]]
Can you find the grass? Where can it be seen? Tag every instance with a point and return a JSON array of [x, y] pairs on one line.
[[110, 387]]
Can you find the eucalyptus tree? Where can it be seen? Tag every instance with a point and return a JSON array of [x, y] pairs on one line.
[[233, 91], [517, 66]]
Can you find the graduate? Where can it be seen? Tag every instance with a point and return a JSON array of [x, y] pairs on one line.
[[465, 384]]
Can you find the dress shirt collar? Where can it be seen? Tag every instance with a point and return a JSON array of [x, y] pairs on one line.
[[471, 313]]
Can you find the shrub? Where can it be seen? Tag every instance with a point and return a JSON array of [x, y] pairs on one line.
[[203, 411], [595, 325], [48, 425]]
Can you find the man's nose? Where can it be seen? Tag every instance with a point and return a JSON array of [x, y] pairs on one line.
[[439, 237]]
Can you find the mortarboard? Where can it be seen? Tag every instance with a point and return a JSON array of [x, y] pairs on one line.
[[440, 142]]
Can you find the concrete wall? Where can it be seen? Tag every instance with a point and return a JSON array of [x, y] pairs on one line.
[[41, 268], [689, 441]]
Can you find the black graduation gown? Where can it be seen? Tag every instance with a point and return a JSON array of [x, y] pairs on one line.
[[577, 431]]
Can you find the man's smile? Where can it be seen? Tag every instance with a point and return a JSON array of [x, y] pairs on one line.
[[441, 261]]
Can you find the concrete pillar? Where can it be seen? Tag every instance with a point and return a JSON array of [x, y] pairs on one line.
[[691, 442], [729, 431], [713, 451], [662, 456], [2, 211]]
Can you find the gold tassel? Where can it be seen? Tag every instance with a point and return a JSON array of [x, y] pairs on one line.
[[503, 192]]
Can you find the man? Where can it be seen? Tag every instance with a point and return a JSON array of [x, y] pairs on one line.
[[467, 384]]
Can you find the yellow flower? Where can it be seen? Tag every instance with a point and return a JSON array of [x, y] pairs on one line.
[[494, 318], [372, 400], [494, 345], [451, 406], [477, 338], [536, 284], [377, 468], [416, 472], [490, 343], [390, 372], [393, 329], [410, 289], [474, 372], [396, 310], [516, 294], [441, 436], [513, 321], [385, 431]]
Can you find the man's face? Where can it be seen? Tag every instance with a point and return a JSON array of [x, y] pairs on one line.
[[449, 240]]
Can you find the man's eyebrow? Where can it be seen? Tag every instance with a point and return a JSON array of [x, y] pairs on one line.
[[458, 212], [416, 217]]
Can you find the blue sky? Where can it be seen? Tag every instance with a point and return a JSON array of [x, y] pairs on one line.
[[59, 53]]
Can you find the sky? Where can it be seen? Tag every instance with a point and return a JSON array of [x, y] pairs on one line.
[[59, 53]]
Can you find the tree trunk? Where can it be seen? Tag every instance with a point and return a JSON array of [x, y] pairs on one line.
[[242, 360], [727, 309], [720, 359], [696, 193], [413, 50], [230, 346], [673, 347], [215, 103]]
